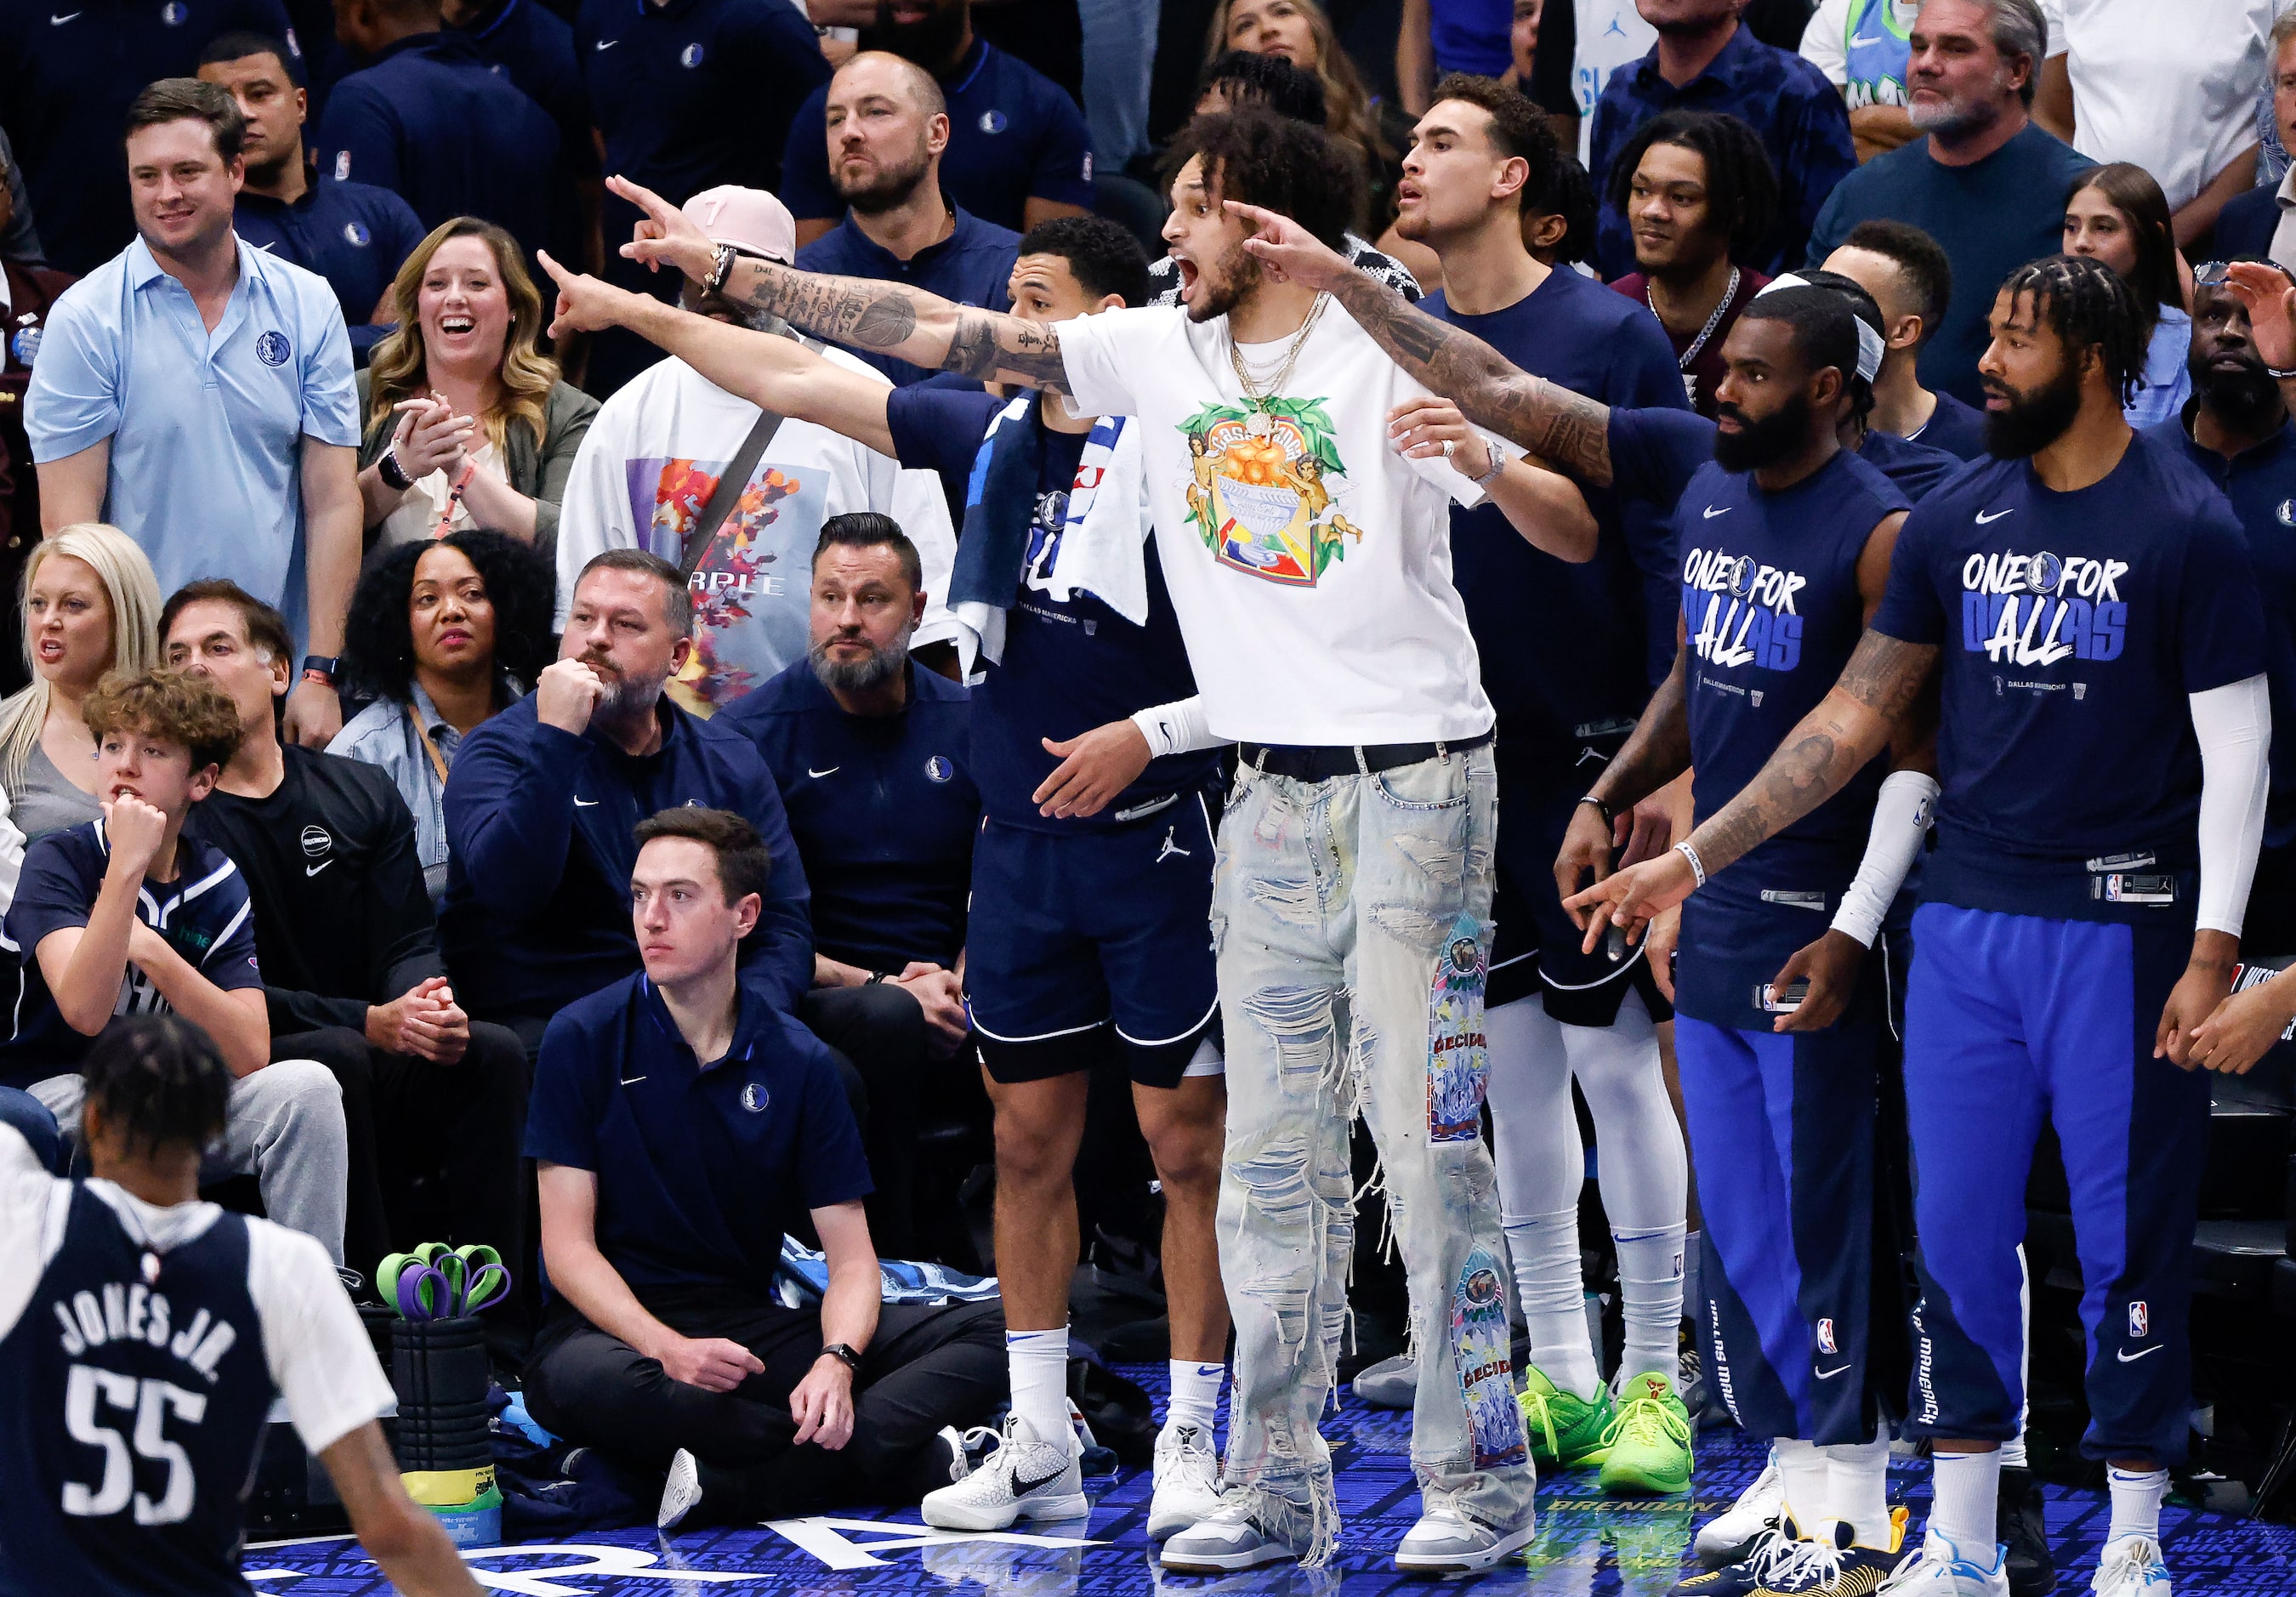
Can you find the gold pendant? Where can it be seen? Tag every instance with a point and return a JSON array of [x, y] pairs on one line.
[[1259, 424]]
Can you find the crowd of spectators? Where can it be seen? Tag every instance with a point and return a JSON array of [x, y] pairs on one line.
[[406, 640]]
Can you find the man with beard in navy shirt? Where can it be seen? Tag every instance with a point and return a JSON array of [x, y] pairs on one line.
[[2087, 605], [1019, 153], [354, 235]]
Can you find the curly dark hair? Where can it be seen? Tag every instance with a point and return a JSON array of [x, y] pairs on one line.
[[159, 1079], [1251, 78], [178, 707], [2088, 305], [379, 641], [1741, 186], [1258, 158]]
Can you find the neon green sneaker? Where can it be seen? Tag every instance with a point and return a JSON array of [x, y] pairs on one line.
[[1649, 1440], [1565, 1430]]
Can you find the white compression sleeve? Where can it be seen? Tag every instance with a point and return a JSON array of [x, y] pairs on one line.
[[2234, 724], [1901, 819], [1176, 728]]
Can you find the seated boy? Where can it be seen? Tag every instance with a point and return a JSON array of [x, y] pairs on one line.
[[124, 917], [681, 1121]]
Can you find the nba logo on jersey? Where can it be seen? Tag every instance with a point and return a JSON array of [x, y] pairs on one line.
[[1826, 1337], [2140, 1320]]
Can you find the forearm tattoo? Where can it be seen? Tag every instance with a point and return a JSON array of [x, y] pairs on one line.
[[923, 329], [1658, 749], [1567, 429], [1848, 728]]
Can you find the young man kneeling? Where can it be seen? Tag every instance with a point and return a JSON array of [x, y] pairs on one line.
[[680, 1121]]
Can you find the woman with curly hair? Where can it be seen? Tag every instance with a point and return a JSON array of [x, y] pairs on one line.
[[443, 634], [468, 425]]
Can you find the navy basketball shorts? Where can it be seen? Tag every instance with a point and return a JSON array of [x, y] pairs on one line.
[[1535, 949], [1083, 940], [2012, 1020], [1782, 1137]]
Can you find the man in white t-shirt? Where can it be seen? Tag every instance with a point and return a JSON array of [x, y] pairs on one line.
[[1300, 486], [143, 1337], [652, 461], [2172, 89]]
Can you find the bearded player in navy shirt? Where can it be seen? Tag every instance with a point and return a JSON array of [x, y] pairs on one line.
[[1565, 643], [2084, 598]]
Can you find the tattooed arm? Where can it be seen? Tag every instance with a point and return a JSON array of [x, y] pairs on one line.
[[1851, 725], [860, 313], [1568, 430]]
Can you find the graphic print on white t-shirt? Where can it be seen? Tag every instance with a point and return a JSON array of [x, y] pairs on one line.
[[1260, 497]]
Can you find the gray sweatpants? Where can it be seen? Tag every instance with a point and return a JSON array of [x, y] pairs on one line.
[[285, 1128]]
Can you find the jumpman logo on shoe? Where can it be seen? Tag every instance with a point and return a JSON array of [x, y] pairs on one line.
[[1171, 846]]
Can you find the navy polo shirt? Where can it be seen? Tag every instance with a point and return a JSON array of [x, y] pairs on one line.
[[2261, 482], [883, 809], [429, 121], [1799, 115], [67, 75], [533, 46], [702, 1167], [693, 93], [972, 265], [355, 235], [1014, 136]]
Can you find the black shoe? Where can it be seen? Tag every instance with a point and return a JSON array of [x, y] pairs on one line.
[[2024, 1531]]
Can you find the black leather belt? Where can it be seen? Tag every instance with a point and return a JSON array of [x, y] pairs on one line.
[[1323, 764]]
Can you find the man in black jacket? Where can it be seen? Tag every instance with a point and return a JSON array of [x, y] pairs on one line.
[[352, 972]]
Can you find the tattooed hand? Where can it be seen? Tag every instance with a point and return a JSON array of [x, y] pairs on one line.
[[664, 235]]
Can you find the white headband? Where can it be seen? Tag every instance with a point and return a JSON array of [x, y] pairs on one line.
[[1871, 345]]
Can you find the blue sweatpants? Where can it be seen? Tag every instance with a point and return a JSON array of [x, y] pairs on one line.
[[1782, 1136], [2009, 1020]]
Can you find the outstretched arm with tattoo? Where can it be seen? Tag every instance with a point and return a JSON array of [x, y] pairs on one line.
[[1570, 431], [1850, 725], [858, 312]]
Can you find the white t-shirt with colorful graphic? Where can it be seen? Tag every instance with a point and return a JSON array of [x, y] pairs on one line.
[[1310, 562], [646, 469]]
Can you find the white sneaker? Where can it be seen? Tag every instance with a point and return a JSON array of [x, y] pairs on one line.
[[1187, 1481], [680, 1491], [1228, 1538], [1026, 1477], [2131, 1567], [1731, 1534], [1445, 1541], [1942, 1571]]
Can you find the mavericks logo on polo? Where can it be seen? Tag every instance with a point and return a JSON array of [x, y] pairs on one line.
[[1258, 498], [272, 349]]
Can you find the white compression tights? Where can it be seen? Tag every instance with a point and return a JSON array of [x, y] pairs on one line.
[[1542, 1165]]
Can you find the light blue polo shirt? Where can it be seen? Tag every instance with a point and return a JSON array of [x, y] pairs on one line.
[[205, 427]]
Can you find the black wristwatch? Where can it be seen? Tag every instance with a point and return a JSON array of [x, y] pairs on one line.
[[394, 475], [328, 666], [1608, 818], [844, 1356]]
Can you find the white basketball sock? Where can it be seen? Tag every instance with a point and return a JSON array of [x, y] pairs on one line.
[[1038, 1364]]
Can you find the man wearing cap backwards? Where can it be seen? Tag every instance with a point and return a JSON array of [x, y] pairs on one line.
[[651, 463]]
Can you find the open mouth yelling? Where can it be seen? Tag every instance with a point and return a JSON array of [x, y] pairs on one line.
[[457, 326]]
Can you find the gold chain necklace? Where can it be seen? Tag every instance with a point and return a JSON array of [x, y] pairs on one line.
[[1259, 424]]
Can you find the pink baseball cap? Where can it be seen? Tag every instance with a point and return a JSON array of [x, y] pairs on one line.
[[747, 219]]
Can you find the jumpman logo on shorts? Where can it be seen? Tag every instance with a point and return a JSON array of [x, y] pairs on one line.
[[1171, 846]]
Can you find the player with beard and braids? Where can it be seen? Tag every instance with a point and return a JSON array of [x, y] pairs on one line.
[[2235, 428], [888, 127], [2085, 595], [1570, 653], [1298, 484]]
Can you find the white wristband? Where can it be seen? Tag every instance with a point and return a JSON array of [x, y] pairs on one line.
[[1901, 819], [1176, 728], [1697, 865]]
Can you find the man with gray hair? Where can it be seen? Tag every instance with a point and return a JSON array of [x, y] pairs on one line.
[[544, 798], [1986, 181], [657, 468]]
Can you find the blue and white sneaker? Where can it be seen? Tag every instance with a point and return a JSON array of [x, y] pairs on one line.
[[2131, 1567], [1229, 1538], [1027, 1477], [1942, 1570]]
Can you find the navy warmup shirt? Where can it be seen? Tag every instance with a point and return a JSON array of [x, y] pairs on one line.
[[702, 1167], [693, 93], [1014, 136], [354, 235], [1770, 602], [1567, 646], [1068, 666], [2261, 484], [67, 73], [1953, 426], [972, 265], [1914, 467], [203, 914], [1655, 452], [883, 810], [2071, 627], [429, 121]]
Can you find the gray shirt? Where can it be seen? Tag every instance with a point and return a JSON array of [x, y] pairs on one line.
[[44, 799]]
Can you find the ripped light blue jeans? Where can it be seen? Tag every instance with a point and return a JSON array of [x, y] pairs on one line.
[[1352, 919]]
